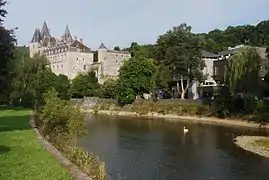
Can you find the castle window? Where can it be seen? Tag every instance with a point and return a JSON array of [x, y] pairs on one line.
[[57, 66], [77, 58], [62, 66], [122, 55]]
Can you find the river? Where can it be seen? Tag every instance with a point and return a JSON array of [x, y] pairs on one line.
[[148, 149]]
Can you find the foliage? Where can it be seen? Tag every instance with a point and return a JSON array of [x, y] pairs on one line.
[[136, 77], [162, 77], [31, 78], [60, 117], [243, 72], [178, 49], [21, 152], [117, 48], [23, 77], [7, 42], [85, 85], [146, 50], [63, 123], [43, 82], [63, 87], [143, 107], [109, 89]]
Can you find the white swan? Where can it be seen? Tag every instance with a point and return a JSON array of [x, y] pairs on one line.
[[185, 129]]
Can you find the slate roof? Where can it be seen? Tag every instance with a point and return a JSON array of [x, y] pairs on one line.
[[208, 54], [37, 36], [102, 46], [224, 53], [67, 35], [45, 30], [79, 45]]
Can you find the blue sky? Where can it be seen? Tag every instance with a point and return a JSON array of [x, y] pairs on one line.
[[120, 22]]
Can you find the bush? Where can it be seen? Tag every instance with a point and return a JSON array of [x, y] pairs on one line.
[[62, 123], [109, 89], [143, 107]]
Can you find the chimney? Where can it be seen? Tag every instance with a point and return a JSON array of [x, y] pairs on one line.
[[81, 40], [75, 38]]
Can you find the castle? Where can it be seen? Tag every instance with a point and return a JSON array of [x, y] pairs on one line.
[[69, 56]]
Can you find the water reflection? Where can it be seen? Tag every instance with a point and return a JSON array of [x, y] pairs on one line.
[[152, 149]]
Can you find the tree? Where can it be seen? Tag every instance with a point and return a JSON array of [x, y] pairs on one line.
[[162, 77], [7, 42], [23, 73], [44, 81], [63, 87], [109, 89], [178, 49], [136, 77], [85, 85], [117, 48], [243, 72]]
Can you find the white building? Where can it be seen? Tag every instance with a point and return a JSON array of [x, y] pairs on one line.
[[69, 56]]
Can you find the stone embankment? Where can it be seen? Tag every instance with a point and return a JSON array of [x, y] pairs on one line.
[[174, 118], [249, 143]]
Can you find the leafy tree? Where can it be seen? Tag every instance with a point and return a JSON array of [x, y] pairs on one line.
[[117, 48], [243, 72], [162, 77], [63, 87], [178, 49], [44, 81], [23, 74], [109, 89], [7, 41], [85, 85], [136, 77]]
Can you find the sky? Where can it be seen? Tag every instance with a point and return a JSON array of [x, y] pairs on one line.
[[120, 22]]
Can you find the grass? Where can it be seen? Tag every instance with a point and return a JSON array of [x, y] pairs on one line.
[[21, 155], [262, 142]]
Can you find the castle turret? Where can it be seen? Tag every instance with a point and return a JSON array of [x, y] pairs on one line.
[[67, 37], [102, 52], [45, 30], [35, 42]]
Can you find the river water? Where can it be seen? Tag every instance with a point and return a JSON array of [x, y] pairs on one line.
[[147, 149]]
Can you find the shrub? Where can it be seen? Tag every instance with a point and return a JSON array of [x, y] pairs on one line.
[[63, 123], [109, 89]]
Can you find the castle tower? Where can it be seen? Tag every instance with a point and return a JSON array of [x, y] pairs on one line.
[[35, 42], [45, 30], [102, 52], [67, 37]]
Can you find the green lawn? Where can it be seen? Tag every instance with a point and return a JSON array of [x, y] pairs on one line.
[[21, 155]]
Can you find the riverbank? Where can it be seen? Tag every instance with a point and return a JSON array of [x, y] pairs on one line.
[[255, 144], [21, 155], [174, 118]]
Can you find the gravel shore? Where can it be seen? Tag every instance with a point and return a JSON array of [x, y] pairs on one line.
[[248, 143]]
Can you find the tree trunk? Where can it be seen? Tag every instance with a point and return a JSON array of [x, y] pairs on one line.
[[178, 91], [184, 90]]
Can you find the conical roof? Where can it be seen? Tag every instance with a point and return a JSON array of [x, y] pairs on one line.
[[67, 35], [45, 30], [102, 46], [37, 36]]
